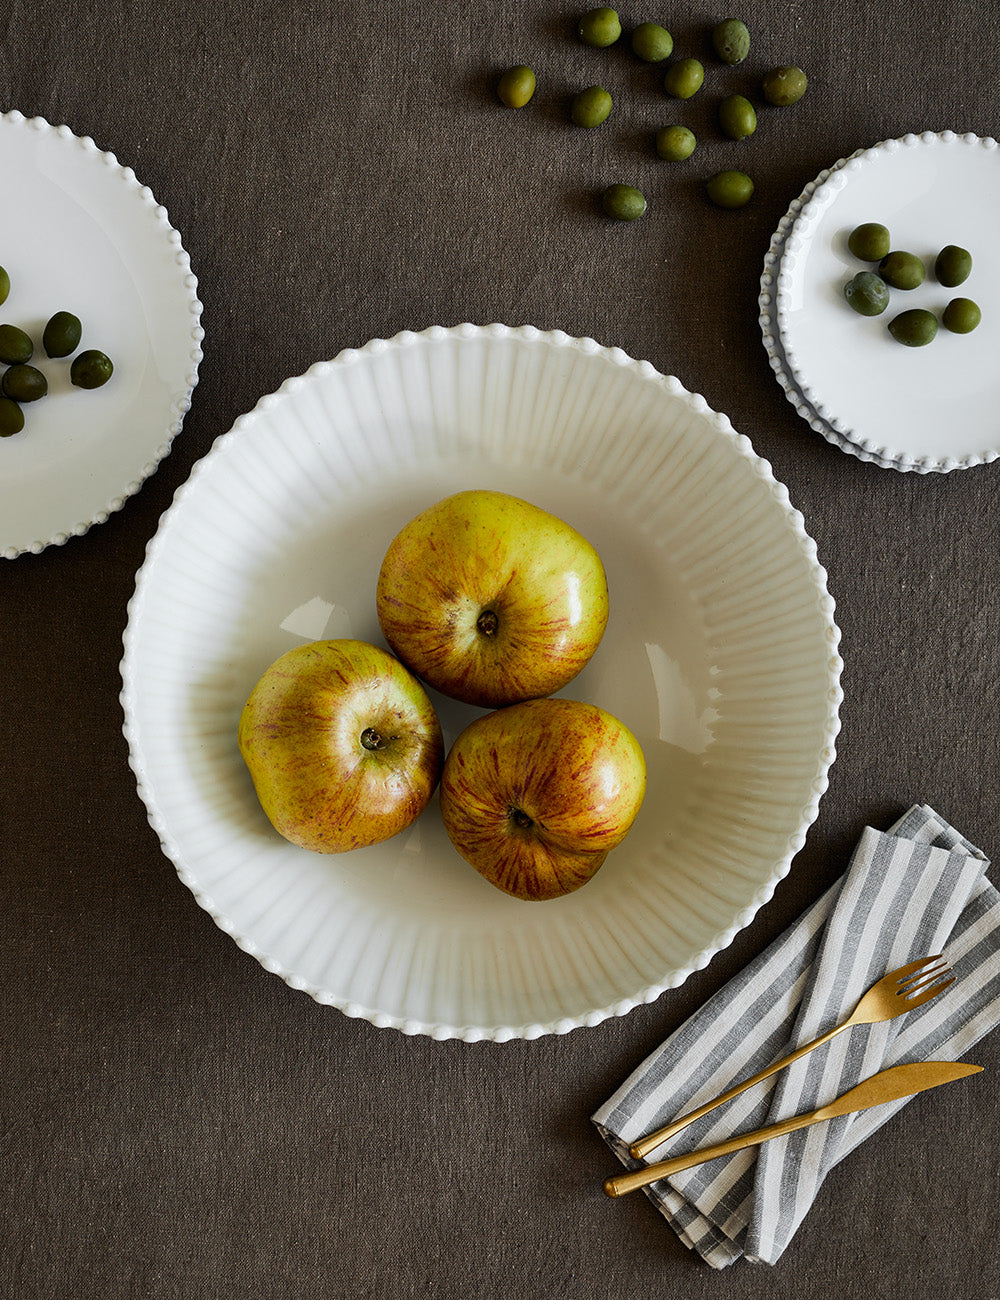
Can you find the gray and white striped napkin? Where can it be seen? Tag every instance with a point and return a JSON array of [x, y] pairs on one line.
[[914, 891]]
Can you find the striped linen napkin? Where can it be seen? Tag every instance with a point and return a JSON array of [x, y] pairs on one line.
[[914, 891]]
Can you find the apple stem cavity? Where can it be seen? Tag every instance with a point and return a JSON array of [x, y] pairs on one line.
[[372, 739], [520, 818], [487, 623]]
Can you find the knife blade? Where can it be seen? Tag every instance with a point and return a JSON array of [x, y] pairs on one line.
[[895, 1083], [889, 1085]]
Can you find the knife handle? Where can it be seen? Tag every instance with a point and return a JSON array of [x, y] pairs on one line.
[[642, 1146], [622, 1183]]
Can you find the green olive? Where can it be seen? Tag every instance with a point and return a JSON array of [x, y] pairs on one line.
[[914, 328], [902, 270], [4, 286], [600, 27], [684, 78], [15, 346], [869, 242], [11, 417], [737, 117], [652, 43], [591, 106], [514, 88], [867, 293], [961, 316], [675, 143], [62, 334], [729, 189], [23, 383], [90, 369], [784, 85], [623, 202], [731, 41], [952, 266]]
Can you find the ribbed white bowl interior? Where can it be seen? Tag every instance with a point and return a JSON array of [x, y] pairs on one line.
[[721, 655]]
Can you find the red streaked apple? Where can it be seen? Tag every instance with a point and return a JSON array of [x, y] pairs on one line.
[[536, 795], [343, 744], [492, 600]]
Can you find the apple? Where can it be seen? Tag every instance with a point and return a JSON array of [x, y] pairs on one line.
[[537, 794], [343, 744], [492, 600]]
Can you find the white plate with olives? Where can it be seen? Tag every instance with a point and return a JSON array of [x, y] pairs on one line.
[[90, 408], [902, 385], [768, 321]]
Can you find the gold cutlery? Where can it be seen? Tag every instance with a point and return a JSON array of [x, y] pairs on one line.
[[901, 990], [890, 1085]]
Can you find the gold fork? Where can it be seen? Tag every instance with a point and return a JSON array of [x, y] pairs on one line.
[[901, 990]]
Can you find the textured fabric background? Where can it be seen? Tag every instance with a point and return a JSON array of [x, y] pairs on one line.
[[175, 1122]]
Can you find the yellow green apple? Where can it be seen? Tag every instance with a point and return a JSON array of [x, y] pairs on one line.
[[537, 794], [343, 745], [492, 600]]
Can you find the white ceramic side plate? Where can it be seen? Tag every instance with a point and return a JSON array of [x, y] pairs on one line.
[[931, 408], [79, 233], [771, 334], [720, 654]]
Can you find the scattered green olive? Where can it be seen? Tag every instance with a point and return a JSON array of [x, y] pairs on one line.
[[675, 143], [901, 270], [62, 334], [729, 189], [731, 41], [90, 369], [684, 78], [591, 106], [867, 293], [11, 417], [961, 316], [4, 285], [23, 383], [784, 85], [869, 242], [737, 117], [914, 328], [623, 202], [652, 43], [15, 346], [600, 27], [952, 266], [514, 88]]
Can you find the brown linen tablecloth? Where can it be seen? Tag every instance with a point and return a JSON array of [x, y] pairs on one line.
[[175, 1122]]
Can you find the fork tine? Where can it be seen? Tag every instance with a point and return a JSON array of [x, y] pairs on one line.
[[914, 1000], [921, 979], [914, 966]]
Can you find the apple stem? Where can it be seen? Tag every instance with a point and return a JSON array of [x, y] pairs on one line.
[[487, 623]]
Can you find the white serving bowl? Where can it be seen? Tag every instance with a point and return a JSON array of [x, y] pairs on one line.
[[720, 654]]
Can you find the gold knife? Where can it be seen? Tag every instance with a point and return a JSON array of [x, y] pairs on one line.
[[890, 1085]]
